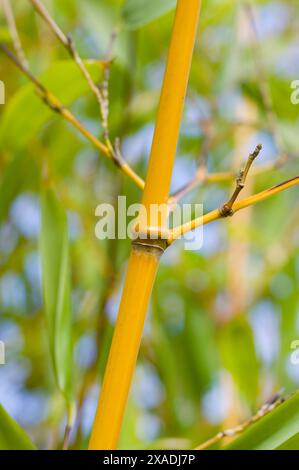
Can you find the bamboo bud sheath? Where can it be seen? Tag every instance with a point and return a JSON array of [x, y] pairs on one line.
[[144, 260]]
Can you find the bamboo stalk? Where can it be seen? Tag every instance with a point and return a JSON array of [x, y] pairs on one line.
[[125, 345], [145, 257]]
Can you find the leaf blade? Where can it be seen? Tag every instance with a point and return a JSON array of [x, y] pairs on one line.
[[272, 431], [12, 436], [54, 248]]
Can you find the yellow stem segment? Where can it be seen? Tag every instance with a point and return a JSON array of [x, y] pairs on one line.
[[144, 260], [171, 103], [124, 349]]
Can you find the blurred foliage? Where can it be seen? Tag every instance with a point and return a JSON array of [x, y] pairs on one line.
[[54, 252], [217, 342]]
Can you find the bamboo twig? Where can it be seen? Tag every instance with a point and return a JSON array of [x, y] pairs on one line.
[[216, 214], [202, 177], [6, 5], [69, 45], [71, 413], [267, 408], [55, 105], [226, 209], [101, 92]]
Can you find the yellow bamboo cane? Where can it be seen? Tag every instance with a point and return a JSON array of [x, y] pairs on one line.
[[144, 257]]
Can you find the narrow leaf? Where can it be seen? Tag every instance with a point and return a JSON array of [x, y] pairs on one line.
[[239, 357], [290, 444], [54, 246], [278, 428], [12, 436], [11, 182]]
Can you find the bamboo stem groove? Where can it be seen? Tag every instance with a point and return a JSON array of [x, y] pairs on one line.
[[144, 259]]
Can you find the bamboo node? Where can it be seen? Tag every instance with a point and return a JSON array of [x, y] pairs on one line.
[[152, 238]]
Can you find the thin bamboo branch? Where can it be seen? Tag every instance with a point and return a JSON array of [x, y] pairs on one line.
[[43, 12], [216, 214], [71, 414], [55, 105], [145, 256], [100, 92], [69, 45], [202, 177], [267, 408], [6, 5], [226, 209]]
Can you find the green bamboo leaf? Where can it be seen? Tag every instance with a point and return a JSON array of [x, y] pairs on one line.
[[64, 80], [290, 444], [12, 436], [54, 248], [12, 182], [137, 13], [239, 357], [277, 429], [200, 344]]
